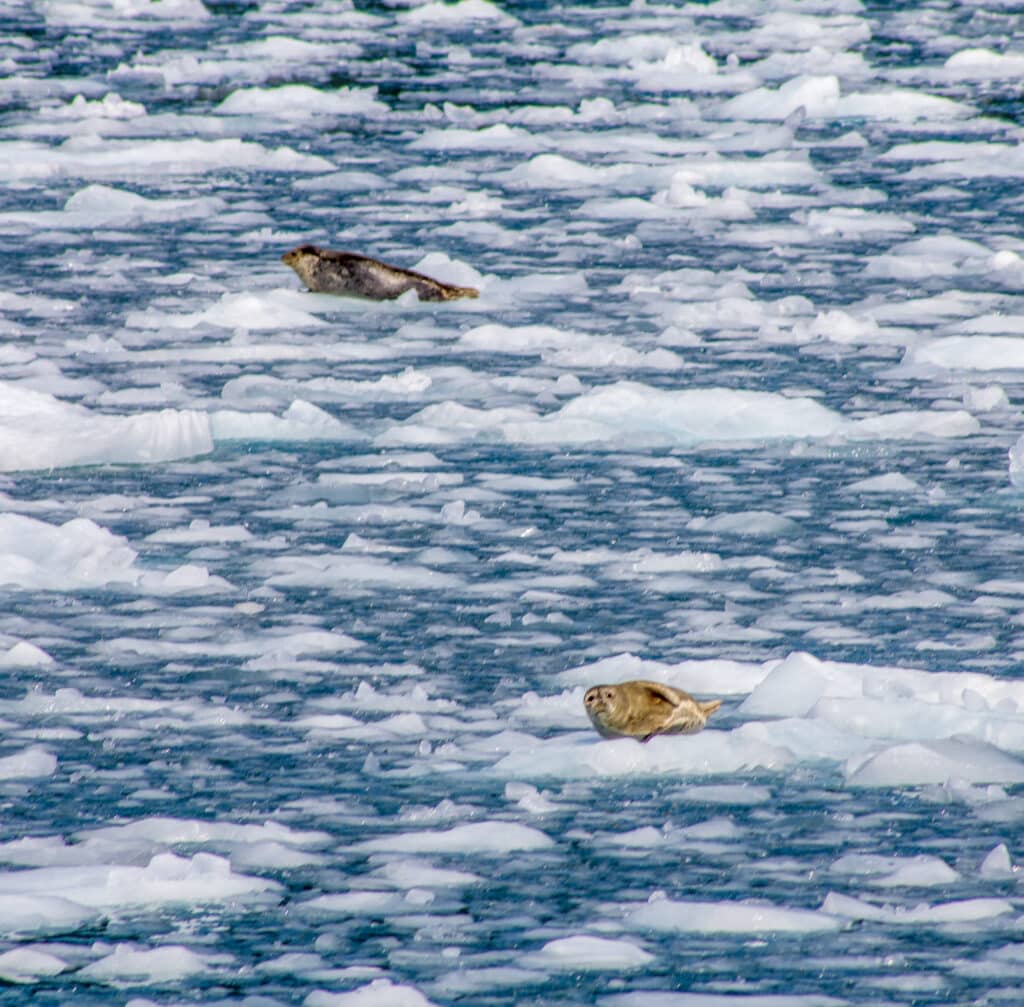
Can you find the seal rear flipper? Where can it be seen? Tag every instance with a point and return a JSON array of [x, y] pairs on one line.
[[710, 706]]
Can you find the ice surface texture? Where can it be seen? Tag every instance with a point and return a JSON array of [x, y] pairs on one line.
[[299, 596]]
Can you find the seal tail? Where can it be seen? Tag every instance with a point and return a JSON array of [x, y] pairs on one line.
[[710, 706]]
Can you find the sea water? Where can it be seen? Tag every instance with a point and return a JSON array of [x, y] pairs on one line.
[[301, 594]]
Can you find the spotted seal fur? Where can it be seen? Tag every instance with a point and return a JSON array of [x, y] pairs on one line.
[[642, 709], [346, 273]]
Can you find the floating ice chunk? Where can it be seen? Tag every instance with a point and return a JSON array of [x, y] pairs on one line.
[[793, 686], [300, 101], [645, 999], [77, 554], [29, 764], [99, 205], [628, 413], [201, 531], [937, 761], [565, 348], [556, 171], [852, 222], [346, 572], [111, 106], [25, 655], [301, 421], [898, 872], [817, 95], [380, 992], [26, 965], [710, 752], [997, 865], [967, 353], [248, 311], [911, 424], [126, 964], [717, 676], [750, 523], [964, 911], [458, 12], [411, 873], [166, 831], [133, 14], [891, 482], [38, 431], [683, 917], [166, 879], [449, 270], [475, 837], [985, 399], [42, 914], [985, 64], [585, 953], [116, 160]]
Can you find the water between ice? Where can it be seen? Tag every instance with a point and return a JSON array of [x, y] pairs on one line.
[[301, 595]]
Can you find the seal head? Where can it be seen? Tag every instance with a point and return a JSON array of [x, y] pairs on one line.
[[352, 275], [641, 709]]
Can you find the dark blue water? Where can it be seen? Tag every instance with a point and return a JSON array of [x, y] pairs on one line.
[[293, 643]]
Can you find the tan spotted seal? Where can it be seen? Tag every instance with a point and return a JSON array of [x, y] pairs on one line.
[[327, 272], [641, 709]]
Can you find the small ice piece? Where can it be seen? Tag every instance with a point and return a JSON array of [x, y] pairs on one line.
[[681, 917], [891, 482], [962, 911], [39, 914], [26, 965], [159, 965], [25, 655], [937, 761], [585, 953], [39, 431], [475, 837], [379, 993], [1017, 463], [29, 764], [898, 872], [997, 865]]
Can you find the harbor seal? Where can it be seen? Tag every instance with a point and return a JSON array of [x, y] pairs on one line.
[[641, 709], [327, 272]]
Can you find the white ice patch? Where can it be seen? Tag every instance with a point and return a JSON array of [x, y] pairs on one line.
[[566, 348], [299, 101], [29, 764], [476, 837], [631, 414], [81, 555], [585, 953], [301, 421], [897, 872], [28, 965], [39, 914], [39, 431], [964, 911], [379, 993], [708, 753], [685, 917], [118, 160], [166, 880], [126, 965], [99, 206]]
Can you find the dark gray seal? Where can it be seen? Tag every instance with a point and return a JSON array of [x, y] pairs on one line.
[[352, 275]]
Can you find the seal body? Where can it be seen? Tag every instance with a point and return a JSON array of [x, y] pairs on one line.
[[352, 275], [641, 709]]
